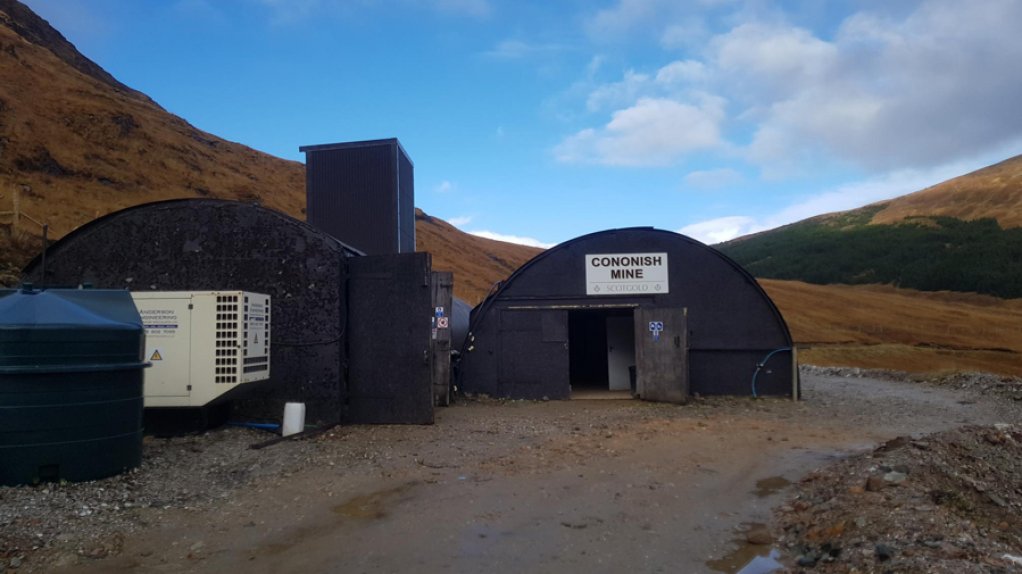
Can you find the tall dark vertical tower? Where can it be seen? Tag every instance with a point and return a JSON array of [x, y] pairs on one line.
[[363, 194]]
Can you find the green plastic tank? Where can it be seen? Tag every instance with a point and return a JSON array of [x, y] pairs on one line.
[[71, 394]]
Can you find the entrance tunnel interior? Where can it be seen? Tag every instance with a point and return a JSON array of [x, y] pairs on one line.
[[601, 348]]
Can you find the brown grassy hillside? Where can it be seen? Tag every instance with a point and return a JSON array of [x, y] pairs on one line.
[[876, 326], [992, 192], [477, 263], [75, 144]]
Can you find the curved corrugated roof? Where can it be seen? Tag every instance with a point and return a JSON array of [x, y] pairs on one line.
[[483, 306], [86, 229]]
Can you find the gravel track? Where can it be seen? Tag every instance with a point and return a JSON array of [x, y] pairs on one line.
[[505, 486]]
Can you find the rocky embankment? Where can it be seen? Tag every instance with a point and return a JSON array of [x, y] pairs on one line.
[[949, 502]]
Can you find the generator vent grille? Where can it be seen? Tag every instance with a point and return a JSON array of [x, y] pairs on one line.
[[227, 342]]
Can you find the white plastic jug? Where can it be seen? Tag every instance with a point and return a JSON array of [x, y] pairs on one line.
[[294, 419]]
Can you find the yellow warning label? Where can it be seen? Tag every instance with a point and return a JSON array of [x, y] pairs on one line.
[[156, 356]]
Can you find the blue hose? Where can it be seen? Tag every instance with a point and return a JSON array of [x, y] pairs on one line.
[[761, 364], [261, 426]]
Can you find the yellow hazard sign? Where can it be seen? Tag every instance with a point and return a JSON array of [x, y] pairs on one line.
[[156, 356]]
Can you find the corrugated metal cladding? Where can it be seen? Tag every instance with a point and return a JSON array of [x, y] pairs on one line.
[[406, 202], [389, 360], [200, 244], [362, 193], [521, 336]]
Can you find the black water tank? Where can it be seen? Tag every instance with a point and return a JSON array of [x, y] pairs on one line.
[[71, 393]]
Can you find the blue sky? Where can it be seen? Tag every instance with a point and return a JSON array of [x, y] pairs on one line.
[[539, 121]]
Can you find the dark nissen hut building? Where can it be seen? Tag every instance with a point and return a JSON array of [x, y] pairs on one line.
[[362, 326], [330, 305], [685, 317]]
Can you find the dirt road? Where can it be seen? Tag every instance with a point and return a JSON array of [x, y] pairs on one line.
[[594, 485]]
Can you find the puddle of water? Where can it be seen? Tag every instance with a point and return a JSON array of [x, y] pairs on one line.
[[739, 558], [373, 506], [745, 552], [767, 486]]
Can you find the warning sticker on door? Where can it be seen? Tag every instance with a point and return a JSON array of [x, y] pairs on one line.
[[156, 356]]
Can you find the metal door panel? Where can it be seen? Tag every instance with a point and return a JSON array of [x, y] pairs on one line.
[[534, 354], [389, 374], [661, 354]]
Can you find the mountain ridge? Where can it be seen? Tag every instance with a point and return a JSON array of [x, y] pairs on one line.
[[964, 235], [76, 144], [993, 192], [74, 147], [34, 29]]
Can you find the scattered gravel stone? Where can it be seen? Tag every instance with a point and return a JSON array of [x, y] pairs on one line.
[[194, 471], [1003, 386], [961, 512], [895, 477], [874, 484]]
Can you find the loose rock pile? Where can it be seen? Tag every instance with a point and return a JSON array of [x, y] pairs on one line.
[[947, 503]]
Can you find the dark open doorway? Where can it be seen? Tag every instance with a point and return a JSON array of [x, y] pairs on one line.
[[601, 349]]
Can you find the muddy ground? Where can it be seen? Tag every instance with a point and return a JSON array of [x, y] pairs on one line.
[[495, 486]]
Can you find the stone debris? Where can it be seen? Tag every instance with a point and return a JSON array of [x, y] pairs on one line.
[[946, 503]]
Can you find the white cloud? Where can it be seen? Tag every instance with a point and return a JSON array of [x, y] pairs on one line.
[[673, 80], [713, 178], [444, 187], [913, 86], [643, 16], [618, 94], [688, 33], [772, 61], [720, 229], [615, 21], [461, 220], [653, 132], [885, 93], [529, 241], [680, 73]]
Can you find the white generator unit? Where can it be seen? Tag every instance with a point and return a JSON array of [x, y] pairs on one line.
[[202, 344]]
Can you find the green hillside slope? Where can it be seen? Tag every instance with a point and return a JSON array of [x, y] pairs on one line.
[[924, 253]]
